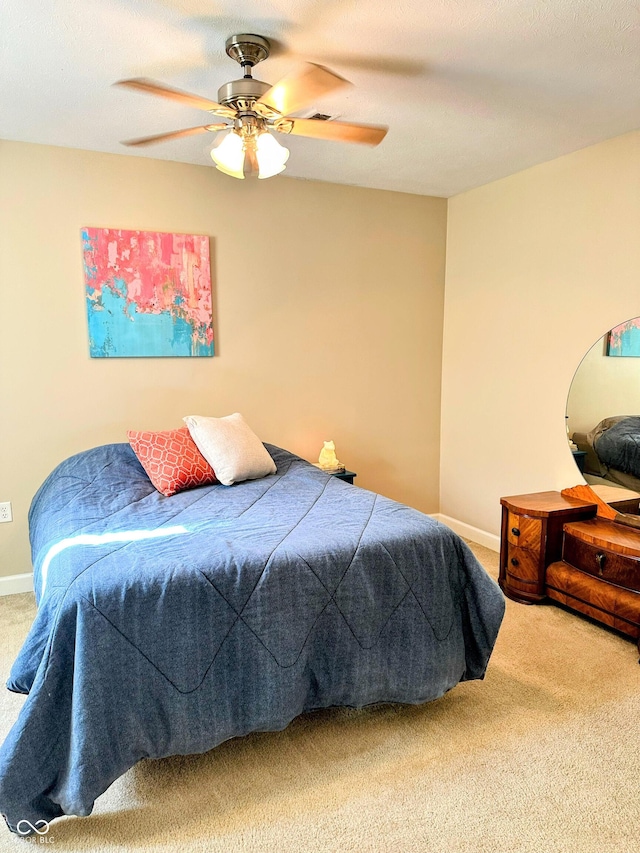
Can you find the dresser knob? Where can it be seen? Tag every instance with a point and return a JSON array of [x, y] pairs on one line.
[[515, 531], [601, 559], [515, 561]]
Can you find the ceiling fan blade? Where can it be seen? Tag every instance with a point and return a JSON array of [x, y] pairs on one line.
[[175, 134], [338, 131], [299, 88], [196, 101]]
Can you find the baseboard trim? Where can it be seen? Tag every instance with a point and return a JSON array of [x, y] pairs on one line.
[[11, 584], [468, 531]]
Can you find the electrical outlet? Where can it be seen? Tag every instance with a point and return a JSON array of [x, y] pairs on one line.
[[5, 511]]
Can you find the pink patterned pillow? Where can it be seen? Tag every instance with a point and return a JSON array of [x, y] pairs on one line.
[[171, 460]]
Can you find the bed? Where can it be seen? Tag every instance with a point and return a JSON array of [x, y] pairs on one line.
[[612, 450], [168, 625]]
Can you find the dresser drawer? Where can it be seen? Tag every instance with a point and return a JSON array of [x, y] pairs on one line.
[[620, 569], [523, 531], [523, 565], [619, 608]]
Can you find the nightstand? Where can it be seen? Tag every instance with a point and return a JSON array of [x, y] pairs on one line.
[[580, 456], [347, 476]]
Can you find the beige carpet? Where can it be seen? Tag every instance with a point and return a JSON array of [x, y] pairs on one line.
[[543, 756]]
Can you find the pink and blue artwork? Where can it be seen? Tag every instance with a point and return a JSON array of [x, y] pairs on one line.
[[624, 339], [148, 293]]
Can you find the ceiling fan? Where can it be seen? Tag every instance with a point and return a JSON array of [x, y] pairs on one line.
[[252, 108]]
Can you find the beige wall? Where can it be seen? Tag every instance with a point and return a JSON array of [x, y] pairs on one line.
[[603, 387], [539, 265], [328, 304]]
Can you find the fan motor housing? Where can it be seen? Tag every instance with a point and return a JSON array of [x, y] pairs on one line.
[[242, 94]]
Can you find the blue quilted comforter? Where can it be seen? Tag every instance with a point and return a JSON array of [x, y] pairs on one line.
[[619, 446], [167, 625]]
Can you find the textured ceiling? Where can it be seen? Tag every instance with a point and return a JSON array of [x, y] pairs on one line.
[[472, 90]]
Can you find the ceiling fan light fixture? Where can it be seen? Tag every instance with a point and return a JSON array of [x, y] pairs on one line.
[[228, 155], [271, 155], [248, 149]]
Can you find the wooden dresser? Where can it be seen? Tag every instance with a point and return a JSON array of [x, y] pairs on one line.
[[555, 546]]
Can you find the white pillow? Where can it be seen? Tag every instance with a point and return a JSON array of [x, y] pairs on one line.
[[231, 447]]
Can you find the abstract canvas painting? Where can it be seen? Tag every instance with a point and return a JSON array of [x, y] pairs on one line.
[[625, 339], [148, 293]]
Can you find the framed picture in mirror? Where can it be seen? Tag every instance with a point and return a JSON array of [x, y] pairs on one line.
[[624, 340]]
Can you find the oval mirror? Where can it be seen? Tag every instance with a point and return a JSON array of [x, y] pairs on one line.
[[603, 409]]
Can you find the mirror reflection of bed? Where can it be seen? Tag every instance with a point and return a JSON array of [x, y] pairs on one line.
[[603, 413]]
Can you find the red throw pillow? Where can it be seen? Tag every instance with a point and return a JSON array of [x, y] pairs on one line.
[[171, 460]]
